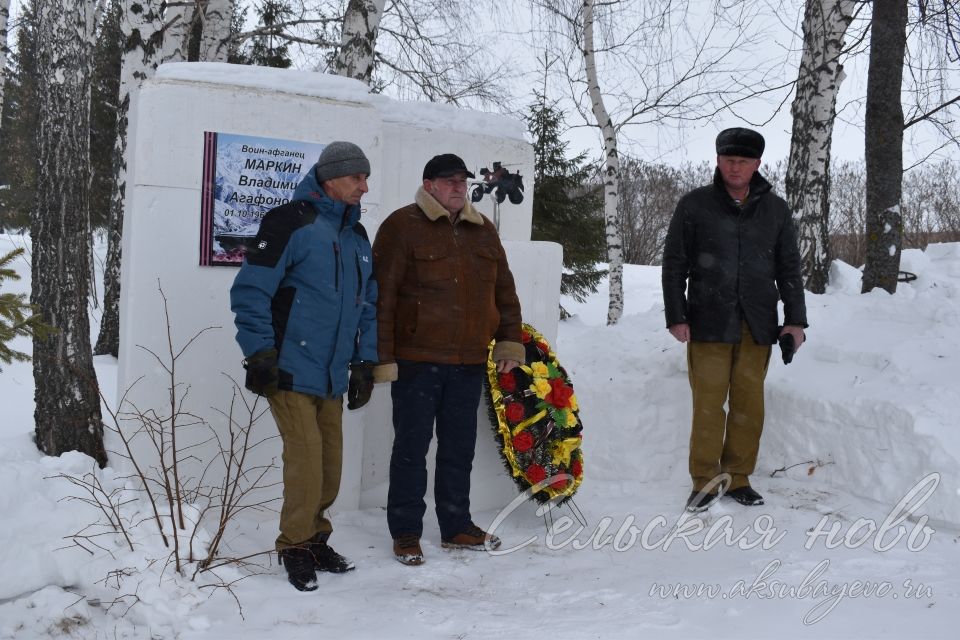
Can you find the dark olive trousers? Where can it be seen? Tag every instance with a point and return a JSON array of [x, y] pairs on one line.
[[312, 458], [726, 442]]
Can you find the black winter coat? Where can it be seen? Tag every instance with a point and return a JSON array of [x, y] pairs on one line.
[[737, 262]]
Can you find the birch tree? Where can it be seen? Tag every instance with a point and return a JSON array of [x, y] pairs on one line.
[[215, 25], [197, 30], [153, 31], [611, 170], [4, 17], [814, 109], [178, 20], [419, 48], [883, 151], [358, 40], [635, 64], [141, 26], [67, 413]]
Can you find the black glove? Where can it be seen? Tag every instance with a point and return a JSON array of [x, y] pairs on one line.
[[263, 374], [787, 347], [361, 384]]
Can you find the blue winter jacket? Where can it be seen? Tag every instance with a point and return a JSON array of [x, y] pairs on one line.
[[306, 289]]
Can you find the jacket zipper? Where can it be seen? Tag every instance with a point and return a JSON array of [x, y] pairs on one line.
[[359, 278], [458, 265], [336, 266], [336, 284]]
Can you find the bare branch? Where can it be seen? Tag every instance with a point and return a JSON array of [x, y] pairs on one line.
[[929, 114]]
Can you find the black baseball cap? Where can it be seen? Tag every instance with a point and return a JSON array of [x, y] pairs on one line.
[[444, 166]]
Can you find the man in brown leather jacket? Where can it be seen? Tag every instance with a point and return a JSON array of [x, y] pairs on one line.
[[445, 290]]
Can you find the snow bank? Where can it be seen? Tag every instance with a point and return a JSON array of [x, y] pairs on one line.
[[871, 399]]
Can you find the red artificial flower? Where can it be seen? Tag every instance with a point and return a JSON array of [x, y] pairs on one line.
[[536, 473], [560, 481], [560, 393], [514, 412], [525, 337], [544, 348], [508, 382], [523, 441], [576, 467]]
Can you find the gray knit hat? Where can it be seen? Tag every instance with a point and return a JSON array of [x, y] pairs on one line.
[[339, 159]]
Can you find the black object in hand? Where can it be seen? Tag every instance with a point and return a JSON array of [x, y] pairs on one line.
[[263, 372], [787, 347], [361, 384]]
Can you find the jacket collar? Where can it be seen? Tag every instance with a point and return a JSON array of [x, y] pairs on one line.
[[309, 190], [434, 210], [758, 185]]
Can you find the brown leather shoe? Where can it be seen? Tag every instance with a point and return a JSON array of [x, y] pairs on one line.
[[407, 550], [473, 538]]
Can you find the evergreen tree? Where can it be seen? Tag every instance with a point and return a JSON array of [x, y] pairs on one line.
[[104, 94], [236, 54], [19, 122], [566, 203], [18, 162], [269, 50], [16, 315]]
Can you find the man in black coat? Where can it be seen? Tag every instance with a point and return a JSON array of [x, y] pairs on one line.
[[730, 255]]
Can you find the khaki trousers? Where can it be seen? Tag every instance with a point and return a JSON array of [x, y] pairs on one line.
[[312, 457], [722, 442]]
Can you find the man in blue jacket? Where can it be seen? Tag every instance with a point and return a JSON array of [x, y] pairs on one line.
[[305, 305]]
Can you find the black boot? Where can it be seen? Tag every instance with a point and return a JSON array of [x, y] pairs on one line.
[[746, 496], [326, 559], [700, 501], [299, 564]]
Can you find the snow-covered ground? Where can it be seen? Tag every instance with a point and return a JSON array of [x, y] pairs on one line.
[[865, 415]]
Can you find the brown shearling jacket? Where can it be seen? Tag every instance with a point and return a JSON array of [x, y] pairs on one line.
[[444, 290]]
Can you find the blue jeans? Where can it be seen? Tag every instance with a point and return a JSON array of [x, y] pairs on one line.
[[422, 393]]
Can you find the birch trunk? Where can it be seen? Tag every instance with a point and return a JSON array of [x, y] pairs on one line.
[[141, 27], [4, 16], [358, 39], [67, 413], [178, 20], [216, 30], [814, 109], [611, 170], [883, 128]]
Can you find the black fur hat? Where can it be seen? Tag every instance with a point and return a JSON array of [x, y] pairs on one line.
[[738, 141]]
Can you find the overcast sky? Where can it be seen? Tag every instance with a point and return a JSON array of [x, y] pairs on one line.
[[694, 142]]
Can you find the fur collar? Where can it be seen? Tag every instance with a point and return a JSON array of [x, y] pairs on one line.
[[434, 210]]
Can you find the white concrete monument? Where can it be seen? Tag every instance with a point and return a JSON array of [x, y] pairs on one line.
[[165, 244]]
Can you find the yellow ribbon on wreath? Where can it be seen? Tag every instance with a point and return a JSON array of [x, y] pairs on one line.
[[561, 452]]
